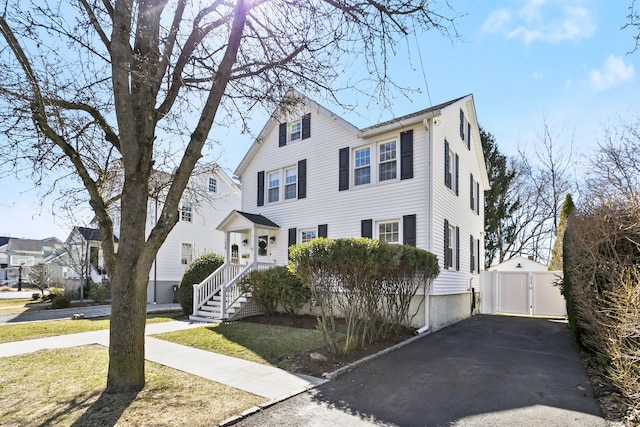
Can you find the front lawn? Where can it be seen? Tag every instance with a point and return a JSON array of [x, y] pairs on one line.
[[65, 387], [10, 332], [267, 344]]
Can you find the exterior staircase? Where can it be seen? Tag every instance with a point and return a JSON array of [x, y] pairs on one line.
[[218, 297]]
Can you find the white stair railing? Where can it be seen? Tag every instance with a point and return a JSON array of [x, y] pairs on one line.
[[225, 280]]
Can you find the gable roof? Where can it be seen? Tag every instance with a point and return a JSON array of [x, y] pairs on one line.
[[255, 219], [276, 117], [92, 234], [25, 245], [378, 128], [4, 240]]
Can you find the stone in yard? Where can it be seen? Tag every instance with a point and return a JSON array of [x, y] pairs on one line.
[[318, 357], [77, 316]]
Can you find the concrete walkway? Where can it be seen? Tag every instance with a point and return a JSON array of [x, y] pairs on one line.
[[266, 381]]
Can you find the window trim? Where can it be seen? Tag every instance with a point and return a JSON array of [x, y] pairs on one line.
[[213, 183], [291, 133], [397, 232], [287, 184], [375, 162], [276, 187], [182, 245], [362, 167], [302, 232], [186, 211], [393, 161]]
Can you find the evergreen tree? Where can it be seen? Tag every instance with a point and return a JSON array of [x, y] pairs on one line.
[[499, 233], [556, 253]]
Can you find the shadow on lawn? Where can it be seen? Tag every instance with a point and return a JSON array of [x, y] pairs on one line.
[[106, 411]]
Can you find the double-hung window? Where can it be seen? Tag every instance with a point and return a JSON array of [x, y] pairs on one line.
[[186, 212], [295, 130], [307, 235], [362, 170], [186, 253], [389, 231], [274, 187], [213, 185], [451, 161], [290, 183], [388, 163]]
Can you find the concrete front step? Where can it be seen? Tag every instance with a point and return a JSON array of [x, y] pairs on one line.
[[197, 318]]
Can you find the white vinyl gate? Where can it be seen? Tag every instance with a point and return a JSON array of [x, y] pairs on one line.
[[523, 293]]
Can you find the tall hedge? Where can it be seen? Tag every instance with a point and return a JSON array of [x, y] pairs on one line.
[[195, 273]]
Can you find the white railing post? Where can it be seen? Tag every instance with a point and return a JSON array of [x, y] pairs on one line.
[[196, 299], [223, 302]]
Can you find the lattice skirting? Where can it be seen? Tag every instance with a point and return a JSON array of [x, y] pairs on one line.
[[250, 308]]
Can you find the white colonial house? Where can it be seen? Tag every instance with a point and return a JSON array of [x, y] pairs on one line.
[[417, 180], [208, 199]]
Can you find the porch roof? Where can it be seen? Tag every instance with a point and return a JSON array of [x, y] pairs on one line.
[[255, 219]]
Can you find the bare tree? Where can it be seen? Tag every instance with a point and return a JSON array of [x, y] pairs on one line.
[[541, 185], [87, 83]]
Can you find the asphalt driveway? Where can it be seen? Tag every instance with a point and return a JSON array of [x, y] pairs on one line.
[[483, 371]]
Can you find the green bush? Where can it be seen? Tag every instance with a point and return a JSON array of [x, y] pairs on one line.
[[35, 296], [98, 292], [273, 286], [60, 301], [53, 292], [196, 272]]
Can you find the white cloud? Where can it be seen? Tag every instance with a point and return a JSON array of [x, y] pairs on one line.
[[614, 71], [543, 20]]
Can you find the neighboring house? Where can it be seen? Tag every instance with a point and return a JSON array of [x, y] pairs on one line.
[[207, 199], [85, 260], [26, 259], [418, 180]]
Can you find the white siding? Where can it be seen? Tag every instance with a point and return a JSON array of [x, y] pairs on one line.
[[425, 195], [342, 211], [201, 232], [455, 208]]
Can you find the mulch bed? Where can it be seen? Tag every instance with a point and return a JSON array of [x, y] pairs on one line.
[[309, 366]]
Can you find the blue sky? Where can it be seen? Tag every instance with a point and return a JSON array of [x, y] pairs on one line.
[[523, 60]]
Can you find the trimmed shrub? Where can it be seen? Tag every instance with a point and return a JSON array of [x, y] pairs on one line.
[[60, 301], [273, 286], [53, 292], [196, 272], [98, 292], [367, 282], [35, 296]]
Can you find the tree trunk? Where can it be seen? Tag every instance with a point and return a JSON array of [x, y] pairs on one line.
[[126, 334]]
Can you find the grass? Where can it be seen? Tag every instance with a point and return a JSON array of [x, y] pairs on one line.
[[266, 344], [32, 330], [18, 305], [65, 387]]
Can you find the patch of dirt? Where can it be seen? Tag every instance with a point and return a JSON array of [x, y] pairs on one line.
[[615, 406], [307, 365]]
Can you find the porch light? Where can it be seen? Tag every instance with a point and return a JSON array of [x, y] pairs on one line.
[[245, 242], [272, 238]]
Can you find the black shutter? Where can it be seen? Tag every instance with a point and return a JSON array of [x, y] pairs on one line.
[[302, 179], [322, 230], [469, 135], [409, 230], [478, 198], [472, 265], [366, 228], [471, 188], [406, 154], [462, 124], [446, 243], [457, 248], [457, 173], [478, 261], [282, 135], [306, 126], [447, 180], [292, 236], [343, 167], [261, 188]]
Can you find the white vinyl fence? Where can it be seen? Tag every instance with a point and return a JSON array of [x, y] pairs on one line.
[[523, 293]]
